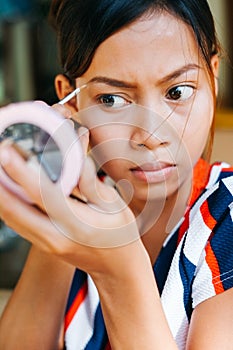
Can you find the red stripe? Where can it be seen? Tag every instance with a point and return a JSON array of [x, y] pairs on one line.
[[201, 173], [183, 228], [75, 305], [226, 170], [206, 216], [215, 270]]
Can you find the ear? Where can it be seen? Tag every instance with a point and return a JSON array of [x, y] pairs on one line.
[[63, 88], [215, 69]]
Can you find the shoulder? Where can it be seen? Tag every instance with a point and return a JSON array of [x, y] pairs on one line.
[[220, 171], [211, 201], [209, 238], [206, 176], [216, 198]]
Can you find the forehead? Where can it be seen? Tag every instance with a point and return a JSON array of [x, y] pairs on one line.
[[161, 42]]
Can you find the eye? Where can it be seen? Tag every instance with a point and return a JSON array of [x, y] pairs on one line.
[[113, 101], [182, 93]]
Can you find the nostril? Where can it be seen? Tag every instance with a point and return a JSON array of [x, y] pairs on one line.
[[153, 140], [142, 139]]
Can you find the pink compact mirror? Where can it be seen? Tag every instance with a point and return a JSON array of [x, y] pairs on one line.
[[38, 131]]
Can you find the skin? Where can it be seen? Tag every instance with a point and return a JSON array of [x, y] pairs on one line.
[[147, 83]]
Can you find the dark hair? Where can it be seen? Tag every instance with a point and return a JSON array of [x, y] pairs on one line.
[[83, 25]]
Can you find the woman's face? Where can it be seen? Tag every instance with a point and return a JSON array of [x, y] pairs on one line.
[[151, 105]]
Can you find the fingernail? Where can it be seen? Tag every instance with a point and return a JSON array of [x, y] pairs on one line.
[[4, 156]]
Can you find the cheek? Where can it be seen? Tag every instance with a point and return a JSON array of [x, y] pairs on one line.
[[100, 135], [111, 138], [108, 147], [197, 128], [114, 169]]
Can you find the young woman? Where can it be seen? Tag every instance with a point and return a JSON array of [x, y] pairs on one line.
[[145, 262]]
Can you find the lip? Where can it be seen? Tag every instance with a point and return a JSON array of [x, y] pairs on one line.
[[154, 172]]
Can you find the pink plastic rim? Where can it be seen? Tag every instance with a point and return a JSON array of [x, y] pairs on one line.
[[59, 128]]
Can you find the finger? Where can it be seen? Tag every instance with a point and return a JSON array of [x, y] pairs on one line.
[[29, 175], [97, 193], [28, 221], [64, 217]]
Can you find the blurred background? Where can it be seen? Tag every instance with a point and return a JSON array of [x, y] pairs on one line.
[[28, 65], [28, 58]]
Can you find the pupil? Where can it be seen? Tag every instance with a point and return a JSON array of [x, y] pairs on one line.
[[176, 94], [108, 100]]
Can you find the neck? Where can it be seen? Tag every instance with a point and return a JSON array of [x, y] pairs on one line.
[[157, 218]]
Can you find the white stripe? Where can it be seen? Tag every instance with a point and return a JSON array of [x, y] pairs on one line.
[[228, 182], [215, 172], [231, 210], [198, 234], [81, 327], [202, 286], [172, 301], [201, 200]]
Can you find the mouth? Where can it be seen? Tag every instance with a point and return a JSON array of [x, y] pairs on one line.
[[153, 172]]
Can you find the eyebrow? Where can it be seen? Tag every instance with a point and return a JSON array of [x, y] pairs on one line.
[[127, 85], [178, 72], [112, 82]]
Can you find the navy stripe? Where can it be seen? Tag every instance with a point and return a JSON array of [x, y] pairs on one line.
[[99, 339], [78, 280], [218, 201], [163, 262], [187, 271], [222, 239], [225, 174]]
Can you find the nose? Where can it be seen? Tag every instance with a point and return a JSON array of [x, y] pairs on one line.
[[148, 129], [151, 140]]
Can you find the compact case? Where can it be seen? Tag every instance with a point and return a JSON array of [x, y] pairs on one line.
[[39, 131]]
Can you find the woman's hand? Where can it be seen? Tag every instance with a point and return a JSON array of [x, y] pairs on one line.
[[76, 231], [97, 234]]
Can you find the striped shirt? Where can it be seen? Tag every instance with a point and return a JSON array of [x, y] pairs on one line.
[[194, 264]]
